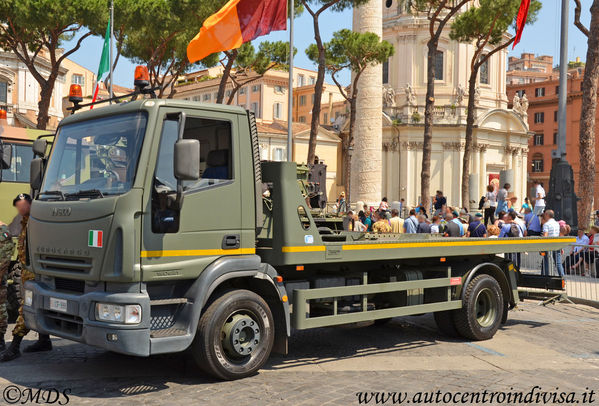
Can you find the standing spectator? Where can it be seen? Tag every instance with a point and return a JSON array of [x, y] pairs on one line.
[[551, 229], [525, 205], [358, 225], [402, 207], [533, 223], [464, 221], [411, 224], [597, 218], [439, 202], [368, 222], [490, 205], [348, 221], [512, 228], [453, 229], [539, 198], [384, 205], [477, 228], [436, 226], [423, 226], [396, 222], [341, 204], [381, 224], [502, 199]]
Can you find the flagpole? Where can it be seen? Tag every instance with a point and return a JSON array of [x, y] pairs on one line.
[[111, 45], [290, 102]]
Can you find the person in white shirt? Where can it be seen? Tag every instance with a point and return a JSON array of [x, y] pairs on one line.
[[539, 198], [579, 252], [551, 229]]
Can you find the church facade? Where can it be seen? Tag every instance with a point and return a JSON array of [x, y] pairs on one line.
[[500, 134]]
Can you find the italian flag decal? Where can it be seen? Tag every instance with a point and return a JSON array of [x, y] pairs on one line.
[[94, 239]]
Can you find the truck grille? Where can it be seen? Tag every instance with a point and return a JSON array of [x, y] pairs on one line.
[[63, 323], [65, 264], [69, 285]]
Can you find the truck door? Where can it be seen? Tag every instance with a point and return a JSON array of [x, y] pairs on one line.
[[180, 243]]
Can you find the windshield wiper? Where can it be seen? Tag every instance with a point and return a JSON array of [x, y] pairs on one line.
[[53, 193], [89, 193]]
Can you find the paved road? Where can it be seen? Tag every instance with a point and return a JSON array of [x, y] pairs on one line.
[[552, 347]]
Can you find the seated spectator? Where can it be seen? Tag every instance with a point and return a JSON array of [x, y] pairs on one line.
[[477, 228], [533, 223], [381, 224], [579, 250], [500, 219], [423, 226]]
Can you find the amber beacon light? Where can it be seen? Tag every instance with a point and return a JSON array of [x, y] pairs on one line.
[[75, 93], [142, 77]]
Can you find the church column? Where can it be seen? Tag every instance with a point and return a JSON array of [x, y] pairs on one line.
[[483, 181], [368, 136], [475, 167]]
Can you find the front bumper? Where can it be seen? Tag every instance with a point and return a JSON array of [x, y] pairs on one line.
[[78, 322]]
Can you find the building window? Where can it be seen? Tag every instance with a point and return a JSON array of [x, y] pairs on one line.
[[3, 95], [302, 119], [539, 139], [521, 93], [439, 65], [556, 89], [537, 165], [312, 80], [313, 97], [242, 90], [255, 88], [215, 96], [278, 110], [228, 93], [484, 72], [278, 154], [539, 92], [386, 72], [539, 117], [326, 118], [555, 116], [581, 86], [207, 97], [77, 79], [302, 100], [255, 109], [279, 89], [195, 98], [300, 80], [554, 138]]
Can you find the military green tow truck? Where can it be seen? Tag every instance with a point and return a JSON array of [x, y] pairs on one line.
[[156, 229]]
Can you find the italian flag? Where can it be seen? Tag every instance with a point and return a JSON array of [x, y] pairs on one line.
[[94, 239], [104, 62]]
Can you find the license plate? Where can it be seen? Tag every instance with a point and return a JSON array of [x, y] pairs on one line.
[[59, 305]]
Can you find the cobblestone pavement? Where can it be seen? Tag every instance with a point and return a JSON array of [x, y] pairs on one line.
[[552, 347]]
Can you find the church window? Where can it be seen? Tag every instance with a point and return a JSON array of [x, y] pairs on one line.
[[484, 72], [439, 65]]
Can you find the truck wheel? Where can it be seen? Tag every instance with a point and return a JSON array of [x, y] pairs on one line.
[[482, 309], [446, 323], [235, 336]]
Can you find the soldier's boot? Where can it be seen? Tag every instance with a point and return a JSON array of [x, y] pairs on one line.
[[2, 343], [13, 350], [42, 344]]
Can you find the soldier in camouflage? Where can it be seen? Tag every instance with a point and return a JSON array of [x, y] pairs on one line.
[[23, 202], [7, 247]]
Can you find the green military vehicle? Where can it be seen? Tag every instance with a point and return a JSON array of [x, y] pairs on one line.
[[157, 229]]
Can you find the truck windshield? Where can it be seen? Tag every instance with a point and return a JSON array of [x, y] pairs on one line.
[[94, 158]]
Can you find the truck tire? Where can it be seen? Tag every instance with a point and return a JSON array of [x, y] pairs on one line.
[[446, 323], [235, 336], [482, 309], [13, 292]]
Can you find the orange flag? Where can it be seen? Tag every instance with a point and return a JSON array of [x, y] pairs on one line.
[[237, 22]]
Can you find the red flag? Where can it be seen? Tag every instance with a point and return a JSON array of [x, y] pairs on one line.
[[237, 22], [521, 20]]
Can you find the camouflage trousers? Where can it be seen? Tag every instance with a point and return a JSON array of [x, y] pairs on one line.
[[20, 329], [3, 299]]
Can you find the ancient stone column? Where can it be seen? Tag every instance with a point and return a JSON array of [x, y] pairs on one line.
[[367, 162]]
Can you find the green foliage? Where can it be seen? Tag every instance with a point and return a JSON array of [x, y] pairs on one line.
[[269, 55], [416, 117], [352, 50], [334, 5], [491, 18]]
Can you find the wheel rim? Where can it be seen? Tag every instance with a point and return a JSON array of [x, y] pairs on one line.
[[485, 308], [241, 335]]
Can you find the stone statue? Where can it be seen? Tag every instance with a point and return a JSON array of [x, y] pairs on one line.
[[477, 93], [516, 106], [410, 95], [524, 105], [388, 96], [460, 92]]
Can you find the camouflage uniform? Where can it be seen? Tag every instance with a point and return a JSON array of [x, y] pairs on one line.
[[6, 249], [26, 275]]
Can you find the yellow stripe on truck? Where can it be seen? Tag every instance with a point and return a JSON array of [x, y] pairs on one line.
[[305, 248], [197, 253]]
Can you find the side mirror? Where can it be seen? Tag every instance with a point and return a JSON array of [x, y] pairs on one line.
[[39, 147], [35, 173], [6, 156], [187, 159]]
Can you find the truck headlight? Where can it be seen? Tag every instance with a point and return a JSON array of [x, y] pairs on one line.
[[127, 314], [28, 297]]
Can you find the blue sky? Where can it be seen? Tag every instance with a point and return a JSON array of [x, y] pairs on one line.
[[541, 38]]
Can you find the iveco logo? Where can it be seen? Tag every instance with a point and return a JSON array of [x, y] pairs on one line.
[[61, 211]]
